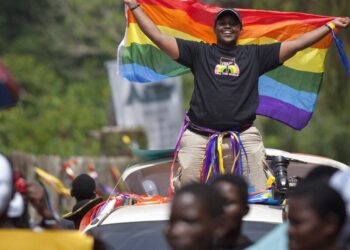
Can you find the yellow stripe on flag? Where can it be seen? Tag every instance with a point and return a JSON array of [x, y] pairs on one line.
[[135, 35], [308, 60]]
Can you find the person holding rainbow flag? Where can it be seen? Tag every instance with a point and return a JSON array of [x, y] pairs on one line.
[[219, 135]]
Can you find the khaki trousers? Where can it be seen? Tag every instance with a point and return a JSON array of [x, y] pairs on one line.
[[192, 153]]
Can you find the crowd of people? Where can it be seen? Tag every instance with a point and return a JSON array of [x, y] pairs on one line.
[[316, 215], [206, 216], [16, 195]]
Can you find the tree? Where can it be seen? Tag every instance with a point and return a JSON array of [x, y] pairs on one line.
[[65, 92]]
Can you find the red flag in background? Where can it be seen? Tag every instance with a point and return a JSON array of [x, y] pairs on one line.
[[9, 89]]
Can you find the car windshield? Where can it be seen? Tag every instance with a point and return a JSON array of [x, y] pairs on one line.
[[149, 235], [134, 235]]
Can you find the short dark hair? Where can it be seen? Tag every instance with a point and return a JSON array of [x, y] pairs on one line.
[[83, 187], [323, 199], [236, 181], [320, 172], [206, 195]]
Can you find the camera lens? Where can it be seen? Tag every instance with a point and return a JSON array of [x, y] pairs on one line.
[[279, 166]]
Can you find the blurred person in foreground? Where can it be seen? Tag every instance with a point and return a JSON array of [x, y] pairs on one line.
[[234, 189], [13, 204], [316, 216], [13, 207], [277, 239], [6, 191], [196, 217], [321, 173], [340, 181]]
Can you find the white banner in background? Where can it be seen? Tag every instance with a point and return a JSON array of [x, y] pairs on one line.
[[157, 107]]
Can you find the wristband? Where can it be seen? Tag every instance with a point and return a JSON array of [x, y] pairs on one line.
[[330, 26], [135, 7], [49, 222]]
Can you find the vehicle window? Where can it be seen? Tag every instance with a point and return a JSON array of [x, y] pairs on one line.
[[133, 236], [149, 235], [256, 230]]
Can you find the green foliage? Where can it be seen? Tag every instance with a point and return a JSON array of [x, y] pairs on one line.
[[52, 118], [56, 50], [187, 90]]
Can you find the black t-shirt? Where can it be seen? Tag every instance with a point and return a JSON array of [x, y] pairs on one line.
[[225, 93]]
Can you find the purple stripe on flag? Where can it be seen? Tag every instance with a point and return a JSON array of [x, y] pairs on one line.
[[283, 112]]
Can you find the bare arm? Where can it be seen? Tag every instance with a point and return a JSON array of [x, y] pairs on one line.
[[290, 48], [166, 43]]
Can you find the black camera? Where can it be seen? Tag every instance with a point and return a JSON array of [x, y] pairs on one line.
[[279, 166]]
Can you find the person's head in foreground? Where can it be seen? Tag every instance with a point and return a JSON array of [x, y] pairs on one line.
[[195, 218], [340, 181], [227, 27], [6, 189], [316, 216], [235, 190], [320, 172]]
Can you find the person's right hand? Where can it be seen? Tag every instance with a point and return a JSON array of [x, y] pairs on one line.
[[130, 3]]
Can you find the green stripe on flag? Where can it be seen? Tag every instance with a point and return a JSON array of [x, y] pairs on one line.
[[159, 61], [299, 80]]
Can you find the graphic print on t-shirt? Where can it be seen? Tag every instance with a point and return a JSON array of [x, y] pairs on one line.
[[227, 67]]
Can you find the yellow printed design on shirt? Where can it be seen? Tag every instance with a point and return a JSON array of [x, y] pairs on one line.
[[227, 67]]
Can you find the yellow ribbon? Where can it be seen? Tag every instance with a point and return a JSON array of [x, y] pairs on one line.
[[209, 173], [235, 154], [221, 159]]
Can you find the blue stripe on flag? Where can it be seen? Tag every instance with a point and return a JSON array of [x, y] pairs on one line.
[[137, 73], [300, 99]]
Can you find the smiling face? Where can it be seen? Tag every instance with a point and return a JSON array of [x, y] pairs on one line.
[[227, 30], [190, 225]]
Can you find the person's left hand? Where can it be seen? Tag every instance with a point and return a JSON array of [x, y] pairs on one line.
[[341, 22]]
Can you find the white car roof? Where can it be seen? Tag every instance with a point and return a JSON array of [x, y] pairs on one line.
[[161, 212], [315, 159], [134, 213], [299, 157]]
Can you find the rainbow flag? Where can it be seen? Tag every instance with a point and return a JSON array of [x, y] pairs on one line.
[[287, 94]]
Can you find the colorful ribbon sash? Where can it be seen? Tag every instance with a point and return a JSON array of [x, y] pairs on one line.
[[213, 164]]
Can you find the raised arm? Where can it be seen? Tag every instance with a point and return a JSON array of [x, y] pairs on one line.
[[35, 195], [166, 43], [290, 48]]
